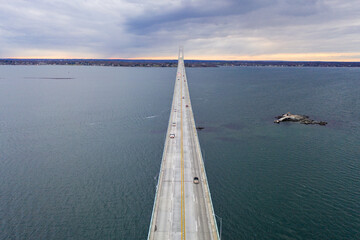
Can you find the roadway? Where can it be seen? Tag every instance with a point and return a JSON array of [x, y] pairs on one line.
[[182, 209]]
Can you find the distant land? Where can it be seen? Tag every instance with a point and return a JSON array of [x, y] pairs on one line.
[[172, 63]]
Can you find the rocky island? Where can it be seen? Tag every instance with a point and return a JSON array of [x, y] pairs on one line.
[[297, 118]]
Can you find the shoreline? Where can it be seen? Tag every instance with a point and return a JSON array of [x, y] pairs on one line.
[[172, 63]]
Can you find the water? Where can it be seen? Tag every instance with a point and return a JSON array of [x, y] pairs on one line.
[[80, 150]]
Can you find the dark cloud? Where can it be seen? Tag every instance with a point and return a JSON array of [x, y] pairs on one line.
[[154, 19]]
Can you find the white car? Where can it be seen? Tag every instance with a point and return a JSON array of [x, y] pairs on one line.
[[172, 135]]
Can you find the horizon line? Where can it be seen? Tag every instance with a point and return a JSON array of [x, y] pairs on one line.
[[286, 57], [175, 59]]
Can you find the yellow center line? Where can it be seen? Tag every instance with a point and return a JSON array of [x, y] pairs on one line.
[[182, 168]]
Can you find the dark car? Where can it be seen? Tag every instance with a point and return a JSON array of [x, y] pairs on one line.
[[196, 180]]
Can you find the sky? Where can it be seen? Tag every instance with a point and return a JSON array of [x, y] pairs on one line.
[[290, 30]]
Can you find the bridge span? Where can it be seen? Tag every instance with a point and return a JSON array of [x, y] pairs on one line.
[[182, 207]]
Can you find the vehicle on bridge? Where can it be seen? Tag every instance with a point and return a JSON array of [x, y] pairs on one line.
[[172, 135], [196, 180]]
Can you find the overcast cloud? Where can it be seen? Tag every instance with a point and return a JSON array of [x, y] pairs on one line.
[[212, 29]]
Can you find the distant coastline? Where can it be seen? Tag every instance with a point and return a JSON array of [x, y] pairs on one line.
[[173, 63]]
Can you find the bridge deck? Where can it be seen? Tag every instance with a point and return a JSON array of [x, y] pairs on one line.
[[182, 209]]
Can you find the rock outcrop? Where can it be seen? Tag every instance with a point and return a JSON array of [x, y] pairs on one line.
[[297, 118]]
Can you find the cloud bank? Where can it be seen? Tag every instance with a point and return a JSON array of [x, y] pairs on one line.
[[212, 29]]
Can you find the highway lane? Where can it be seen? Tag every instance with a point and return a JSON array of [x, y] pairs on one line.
[[182, 210]]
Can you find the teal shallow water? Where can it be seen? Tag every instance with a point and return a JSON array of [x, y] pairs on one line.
[[79, 156]]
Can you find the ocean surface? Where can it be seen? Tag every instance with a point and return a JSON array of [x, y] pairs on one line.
[[80, 150]]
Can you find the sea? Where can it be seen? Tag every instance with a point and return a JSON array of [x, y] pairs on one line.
[[81, 148]]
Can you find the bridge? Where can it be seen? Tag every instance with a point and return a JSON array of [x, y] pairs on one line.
[[182, 207]]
